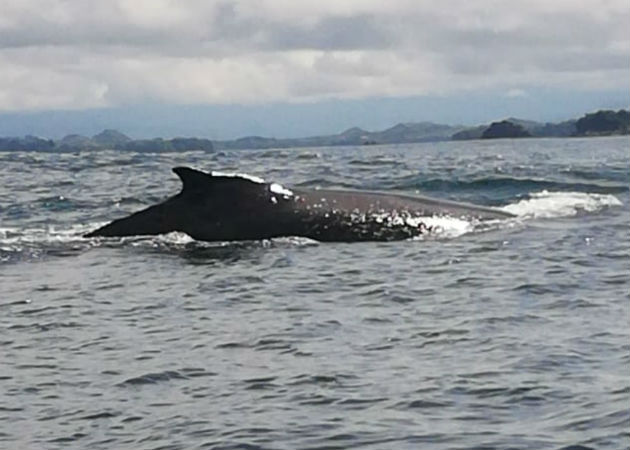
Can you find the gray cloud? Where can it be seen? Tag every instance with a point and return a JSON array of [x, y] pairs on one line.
[[331, 33], [77, 53]]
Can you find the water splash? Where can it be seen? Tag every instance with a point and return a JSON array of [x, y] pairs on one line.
[[546, 204]]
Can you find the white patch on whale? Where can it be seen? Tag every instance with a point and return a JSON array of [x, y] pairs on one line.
[[276, 188], [443, 226], [280, 190], [245, 176]]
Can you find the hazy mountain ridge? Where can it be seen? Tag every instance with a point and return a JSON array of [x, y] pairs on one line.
[[600, 123], [532, 128], [105, 140], [400, 133]]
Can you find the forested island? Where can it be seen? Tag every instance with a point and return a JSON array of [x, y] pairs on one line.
[[600, 123]]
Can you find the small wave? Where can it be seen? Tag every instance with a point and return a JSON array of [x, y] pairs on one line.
[[502, 187], [423, 404], [560, 204], [178, 239], [153, 378], [50, 233], [40, 242], [174, 238], [309, 155], [13, 236], [291, 241], [100, 415], [167, 375], [34, 243], [377, 162]]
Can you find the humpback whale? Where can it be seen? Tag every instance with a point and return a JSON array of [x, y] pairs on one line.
[[225, 207]]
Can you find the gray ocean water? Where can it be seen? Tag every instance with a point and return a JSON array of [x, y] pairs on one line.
[[509, 337]]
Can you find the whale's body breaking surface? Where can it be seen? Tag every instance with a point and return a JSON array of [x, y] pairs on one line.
[[226, 207]]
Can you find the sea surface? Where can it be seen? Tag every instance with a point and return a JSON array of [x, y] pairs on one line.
[[513, 336]]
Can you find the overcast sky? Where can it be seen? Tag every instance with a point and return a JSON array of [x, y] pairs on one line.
[[120, 54]]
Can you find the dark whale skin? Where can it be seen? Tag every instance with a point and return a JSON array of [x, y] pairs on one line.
[[214, 207]]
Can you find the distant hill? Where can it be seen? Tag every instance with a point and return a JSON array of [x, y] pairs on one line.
[[592, 124], [400, 133], [535, 129], [415, 132], [110, 139], [26, 143], [469, 133], [73, 141], [600, 123], [167, 145], [603, 123], [105, 140], [505, 129], [560, 129]]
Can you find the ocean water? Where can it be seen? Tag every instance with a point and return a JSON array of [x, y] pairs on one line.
[[509, 336]]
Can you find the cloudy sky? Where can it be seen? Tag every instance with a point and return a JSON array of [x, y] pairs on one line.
[[246, 67]]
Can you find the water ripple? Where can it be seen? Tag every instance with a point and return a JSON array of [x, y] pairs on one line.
[[508, 337]]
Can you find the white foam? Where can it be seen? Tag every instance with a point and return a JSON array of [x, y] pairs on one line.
[[437, 226], [445, 226], [245, 176], [280, 190], [560, 204], [174, 238], [297, 241], [49, 233]]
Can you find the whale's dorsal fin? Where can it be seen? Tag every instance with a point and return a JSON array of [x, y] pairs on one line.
[[197, 180], [192, 179]]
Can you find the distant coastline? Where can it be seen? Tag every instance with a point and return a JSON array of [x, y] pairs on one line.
[[600, 123]]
